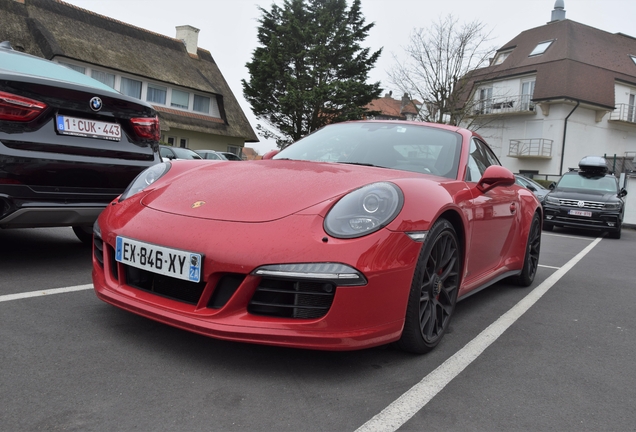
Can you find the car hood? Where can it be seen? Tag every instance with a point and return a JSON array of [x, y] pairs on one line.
[[587, 195], [262, 191]]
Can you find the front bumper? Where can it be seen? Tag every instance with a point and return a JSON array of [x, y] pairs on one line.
[[223, 305], [600, 220]]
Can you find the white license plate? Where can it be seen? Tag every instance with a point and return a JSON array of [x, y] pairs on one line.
[[88, 128], [171, 262], [580, 213]]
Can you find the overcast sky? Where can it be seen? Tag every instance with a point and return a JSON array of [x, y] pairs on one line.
[[228, 27]]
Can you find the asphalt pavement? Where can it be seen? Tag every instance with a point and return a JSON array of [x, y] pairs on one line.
[[71, 362]]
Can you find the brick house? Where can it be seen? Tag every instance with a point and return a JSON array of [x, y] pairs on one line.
[[394, 109]]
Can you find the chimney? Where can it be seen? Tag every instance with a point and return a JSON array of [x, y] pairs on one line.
[[558, 14], [405, 100], [190, 37]]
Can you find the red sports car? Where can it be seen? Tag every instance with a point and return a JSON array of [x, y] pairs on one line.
[[360, 234]]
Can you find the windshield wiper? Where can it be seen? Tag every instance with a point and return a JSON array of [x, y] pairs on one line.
[[361, 163]]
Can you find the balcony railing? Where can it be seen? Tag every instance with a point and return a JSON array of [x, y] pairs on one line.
[[624, 112], [531, 148], [504, 105]]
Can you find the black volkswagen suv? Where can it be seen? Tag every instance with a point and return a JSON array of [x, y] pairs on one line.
[[68, 144], [587, 198]]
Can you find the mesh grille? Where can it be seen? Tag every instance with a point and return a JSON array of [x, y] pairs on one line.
[[292, 299], [586, 204]]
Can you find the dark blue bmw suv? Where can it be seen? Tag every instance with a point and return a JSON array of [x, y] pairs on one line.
[[68, 144]]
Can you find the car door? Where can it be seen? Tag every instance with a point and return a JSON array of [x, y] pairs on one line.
[[492, 215]]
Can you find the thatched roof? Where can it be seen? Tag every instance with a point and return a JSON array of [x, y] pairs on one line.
[[52, 28]]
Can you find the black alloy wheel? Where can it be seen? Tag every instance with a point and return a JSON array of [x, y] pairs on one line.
[[533, 250], [433, 291]]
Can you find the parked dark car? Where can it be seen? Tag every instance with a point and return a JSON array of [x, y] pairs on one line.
[[69, 144], [217, 155], [587, 198], [172, 153], [539, 191]]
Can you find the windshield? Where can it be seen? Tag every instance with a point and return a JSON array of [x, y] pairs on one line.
[[399, 146], [524, 181], [183, 153], [579, 181]]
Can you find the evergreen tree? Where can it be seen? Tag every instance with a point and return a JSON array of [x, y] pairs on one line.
[[310, 69]]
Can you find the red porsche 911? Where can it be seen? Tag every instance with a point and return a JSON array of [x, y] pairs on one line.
[[360, 234]]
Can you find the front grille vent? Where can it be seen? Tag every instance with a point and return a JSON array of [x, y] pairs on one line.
[[166, 286], [292, 299], [586, 204], [226, 287], [98, 249], [113, 264]]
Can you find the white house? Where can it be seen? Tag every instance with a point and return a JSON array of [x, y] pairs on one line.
[[555, 94]]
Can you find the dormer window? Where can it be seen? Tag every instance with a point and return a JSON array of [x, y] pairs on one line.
[[541, 48], [501, 57]]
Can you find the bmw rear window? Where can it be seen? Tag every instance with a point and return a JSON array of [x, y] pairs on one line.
[[17, 62]]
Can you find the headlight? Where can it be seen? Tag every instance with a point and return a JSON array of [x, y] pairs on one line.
[[612, 206], [552, 200], [364, 210], [145, 179]]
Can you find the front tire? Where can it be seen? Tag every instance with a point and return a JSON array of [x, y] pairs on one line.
[[433, 290], [533, 249], [617, 233]]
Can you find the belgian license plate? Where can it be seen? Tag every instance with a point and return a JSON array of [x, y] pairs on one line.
[[171, 262], [580, 213], [88, 128]]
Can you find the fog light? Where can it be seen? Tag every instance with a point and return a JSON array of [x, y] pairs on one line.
[[548, 217]]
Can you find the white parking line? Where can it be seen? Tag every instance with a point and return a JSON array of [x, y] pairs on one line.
[[550, 267], [567, 236], [406, 406], [19, 296]]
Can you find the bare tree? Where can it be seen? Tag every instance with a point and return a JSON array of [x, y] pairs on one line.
[[438, 60]]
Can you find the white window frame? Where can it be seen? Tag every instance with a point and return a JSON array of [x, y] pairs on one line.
[[526, 98], [501, 57], [158, 87], [541, 48], [484, 100], [214, 110]]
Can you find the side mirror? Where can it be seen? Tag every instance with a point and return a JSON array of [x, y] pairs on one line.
[[270, 154], [495, 176], [532, 188], [552, 186], [622, 193]]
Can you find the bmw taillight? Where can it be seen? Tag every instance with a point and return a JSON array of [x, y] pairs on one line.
[[147, 127], [19, 108]]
